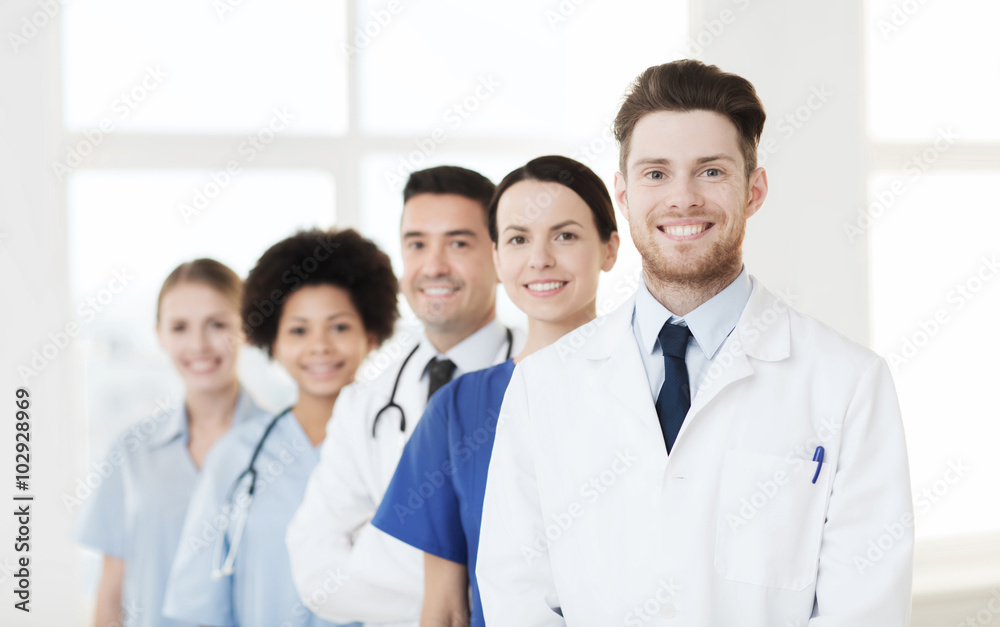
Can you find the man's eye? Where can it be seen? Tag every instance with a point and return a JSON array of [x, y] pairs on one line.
[[656, 175], [415, 245], [712, 172], [459, 244]]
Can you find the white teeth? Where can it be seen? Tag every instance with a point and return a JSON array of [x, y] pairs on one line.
[[202, 365], [320, 369], [685, 229], [546, 287], [438, 291]]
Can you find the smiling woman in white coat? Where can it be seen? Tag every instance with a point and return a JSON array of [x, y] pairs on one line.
[[704, 455]]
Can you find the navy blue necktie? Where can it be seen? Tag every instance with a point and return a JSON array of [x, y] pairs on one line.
[[674, 399], [440, 371]]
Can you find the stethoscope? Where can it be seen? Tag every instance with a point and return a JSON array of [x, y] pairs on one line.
[[392, 404], [222, 569]]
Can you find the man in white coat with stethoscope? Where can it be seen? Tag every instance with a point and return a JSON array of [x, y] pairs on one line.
[[345, 569], [704, 455]]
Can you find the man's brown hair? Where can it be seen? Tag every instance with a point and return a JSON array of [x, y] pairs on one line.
[[690, 85]]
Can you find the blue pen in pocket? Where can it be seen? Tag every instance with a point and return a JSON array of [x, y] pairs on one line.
[[818, 457]]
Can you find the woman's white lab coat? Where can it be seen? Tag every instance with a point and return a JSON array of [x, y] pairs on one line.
[[585, 511]]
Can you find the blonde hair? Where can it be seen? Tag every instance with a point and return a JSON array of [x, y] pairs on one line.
[[209, 272]]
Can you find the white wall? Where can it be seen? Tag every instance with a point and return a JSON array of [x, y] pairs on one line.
[[34, 288], [816, 162]]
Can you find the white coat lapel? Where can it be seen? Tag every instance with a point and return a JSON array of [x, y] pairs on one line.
[[614, 353], [761, 333]]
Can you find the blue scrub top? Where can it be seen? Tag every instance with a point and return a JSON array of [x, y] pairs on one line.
[[260, 592], [136, 510], [435, 499]]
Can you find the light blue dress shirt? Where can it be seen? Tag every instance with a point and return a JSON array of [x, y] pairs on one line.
[[260, 592], [710, 324], [137, 512]]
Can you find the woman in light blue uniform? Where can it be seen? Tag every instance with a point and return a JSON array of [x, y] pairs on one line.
[[554, 230], [135, 514], [318, 302]]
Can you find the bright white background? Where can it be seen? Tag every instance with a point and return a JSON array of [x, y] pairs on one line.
[[122, 113]]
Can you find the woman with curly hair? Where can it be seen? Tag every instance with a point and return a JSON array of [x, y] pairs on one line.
[[317, 302]]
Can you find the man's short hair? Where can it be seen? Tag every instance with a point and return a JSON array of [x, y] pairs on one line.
[[690, 85], [450, 179]]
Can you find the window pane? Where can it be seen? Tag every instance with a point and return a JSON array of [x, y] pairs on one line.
[[933, 65], [935, 299], [195, 66], [128, 225], [461, 66]]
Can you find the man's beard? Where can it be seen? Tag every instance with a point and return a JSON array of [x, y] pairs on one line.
[[714, 268]]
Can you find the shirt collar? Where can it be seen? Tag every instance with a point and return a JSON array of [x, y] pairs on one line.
[[177, 424], [475, 352], [710, 323]]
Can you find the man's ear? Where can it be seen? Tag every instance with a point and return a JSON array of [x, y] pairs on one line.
[[496, 262], [757, 191], [621, 195], [612, 251]]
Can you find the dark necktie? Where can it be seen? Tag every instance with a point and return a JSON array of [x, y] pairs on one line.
[[674, 399], [440, 371]]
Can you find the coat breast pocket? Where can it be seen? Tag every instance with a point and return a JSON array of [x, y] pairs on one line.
[[770, 520]]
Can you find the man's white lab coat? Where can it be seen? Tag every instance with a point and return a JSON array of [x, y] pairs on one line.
[[585, 511]]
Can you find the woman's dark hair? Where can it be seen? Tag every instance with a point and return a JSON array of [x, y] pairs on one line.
[[568, 172], [343, 259], [210, 272]]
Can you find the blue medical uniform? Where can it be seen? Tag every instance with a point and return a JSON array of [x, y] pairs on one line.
[[136, 512], [435, 499], [260, 592]]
